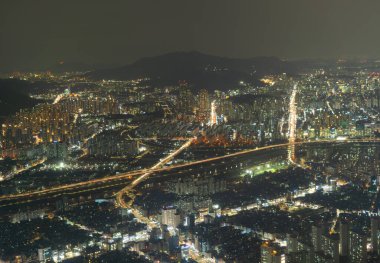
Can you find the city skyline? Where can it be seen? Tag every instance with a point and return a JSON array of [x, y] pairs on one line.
[[189, 131]]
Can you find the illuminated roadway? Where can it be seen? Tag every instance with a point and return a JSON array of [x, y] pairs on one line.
[[58, 98], [11, 175], [119, 197], [124, 178], [293, 115], [292, 123]]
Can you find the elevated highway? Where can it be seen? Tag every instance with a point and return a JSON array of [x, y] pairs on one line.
[[134, 178]]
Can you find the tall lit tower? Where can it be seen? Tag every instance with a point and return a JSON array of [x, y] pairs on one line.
[[213, 119], [204, 102], [186, 98]]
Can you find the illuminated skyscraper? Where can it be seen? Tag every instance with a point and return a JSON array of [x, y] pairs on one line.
[[170, 217], [186, 99], [203, 100], [358, 242], [203, 104], [343, 238], [213, 119], [375, 231], [316, 237]]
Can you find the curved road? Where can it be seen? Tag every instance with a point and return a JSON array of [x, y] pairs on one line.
[[141, 175]]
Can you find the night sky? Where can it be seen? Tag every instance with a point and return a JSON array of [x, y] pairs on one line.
[[35, 34]]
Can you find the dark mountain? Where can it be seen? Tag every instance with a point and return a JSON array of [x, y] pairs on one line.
[[14, 96], [200, 70]]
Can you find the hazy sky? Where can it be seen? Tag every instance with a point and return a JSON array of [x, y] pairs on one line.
[[36, 33]]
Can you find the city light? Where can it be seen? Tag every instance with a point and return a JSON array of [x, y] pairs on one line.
[[118, 143]]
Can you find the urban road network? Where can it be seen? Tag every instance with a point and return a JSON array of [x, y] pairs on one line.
[[133, 178], [136, 177]]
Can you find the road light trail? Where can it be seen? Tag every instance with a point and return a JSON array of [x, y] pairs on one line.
[[281, 125], [13, 174], [72, 186], [292, 123], [119, 197], [58, 98], [129, 175], [334, 222], [329, 106]]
